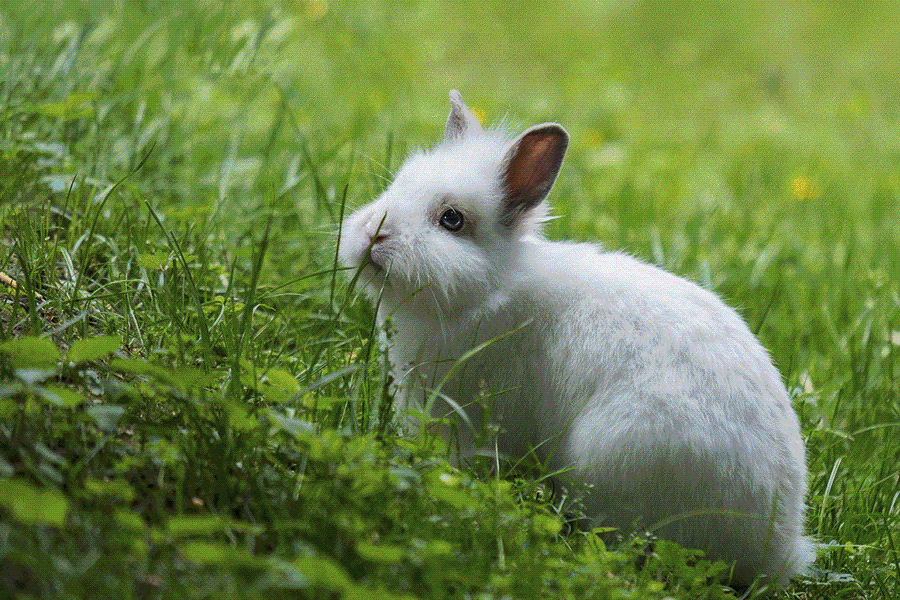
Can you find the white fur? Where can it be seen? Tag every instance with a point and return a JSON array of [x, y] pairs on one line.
[[646, 386]]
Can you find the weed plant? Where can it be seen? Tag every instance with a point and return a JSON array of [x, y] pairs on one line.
[[193, 402]]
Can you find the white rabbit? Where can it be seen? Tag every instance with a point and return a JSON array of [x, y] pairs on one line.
[[644, 385]]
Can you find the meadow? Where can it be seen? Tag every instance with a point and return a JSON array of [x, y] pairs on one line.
[[193, 402]]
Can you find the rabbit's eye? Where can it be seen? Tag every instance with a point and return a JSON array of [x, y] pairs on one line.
[[452, 220]]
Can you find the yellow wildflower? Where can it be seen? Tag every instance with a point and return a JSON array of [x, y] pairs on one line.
[[803, 188]]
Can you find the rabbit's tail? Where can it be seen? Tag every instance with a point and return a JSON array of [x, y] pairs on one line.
[[799, 560]]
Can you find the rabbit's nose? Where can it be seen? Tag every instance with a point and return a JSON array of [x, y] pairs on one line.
[[377, 230], [379, 236]]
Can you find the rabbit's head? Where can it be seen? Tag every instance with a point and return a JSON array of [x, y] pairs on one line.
[[445, 233]]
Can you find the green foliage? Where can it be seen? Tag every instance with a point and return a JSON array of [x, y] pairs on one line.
[[33, 506], [192, 400], [268, 503]]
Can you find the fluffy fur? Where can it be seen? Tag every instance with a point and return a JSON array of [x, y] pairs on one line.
[[642, 384]]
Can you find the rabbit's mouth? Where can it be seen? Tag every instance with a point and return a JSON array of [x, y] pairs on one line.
[[371, 263]]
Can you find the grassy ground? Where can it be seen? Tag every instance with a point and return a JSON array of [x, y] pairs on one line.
[[192, 402]]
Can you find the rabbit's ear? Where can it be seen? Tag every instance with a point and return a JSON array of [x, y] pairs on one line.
[[529, 169], [460, 118]]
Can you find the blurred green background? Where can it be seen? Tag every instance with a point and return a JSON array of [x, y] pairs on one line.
[[680, 102]]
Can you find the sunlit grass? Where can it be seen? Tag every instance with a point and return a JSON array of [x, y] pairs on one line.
[[206, 411]]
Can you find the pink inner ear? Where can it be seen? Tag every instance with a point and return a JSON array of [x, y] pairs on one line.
[[532, 165], [527, 170]]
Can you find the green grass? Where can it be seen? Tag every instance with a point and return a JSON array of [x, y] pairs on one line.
[[194, 403]]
